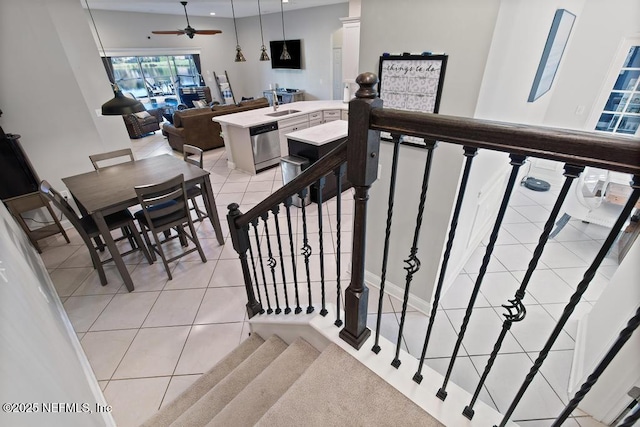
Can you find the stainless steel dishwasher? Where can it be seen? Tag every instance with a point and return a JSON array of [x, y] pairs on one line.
[[265, 144]]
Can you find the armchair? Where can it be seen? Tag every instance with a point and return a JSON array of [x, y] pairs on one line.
[[143, 123]]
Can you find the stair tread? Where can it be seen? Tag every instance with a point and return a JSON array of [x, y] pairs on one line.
[[206, 382], [336, 390], [212, 402], [267, 387]]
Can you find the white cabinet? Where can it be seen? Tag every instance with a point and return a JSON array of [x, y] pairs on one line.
[[286, 126], [315, 118], [330, 115]]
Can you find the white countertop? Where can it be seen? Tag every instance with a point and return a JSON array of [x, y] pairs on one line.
[[321, 134], [259, 116]]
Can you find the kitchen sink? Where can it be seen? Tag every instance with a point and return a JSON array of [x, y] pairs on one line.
[[283, 113]]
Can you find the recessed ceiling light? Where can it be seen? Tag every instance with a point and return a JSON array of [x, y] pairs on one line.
[[285, 1], [212, 13]]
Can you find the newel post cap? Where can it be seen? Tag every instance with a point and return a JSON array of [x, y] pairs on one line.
[[367, 82]]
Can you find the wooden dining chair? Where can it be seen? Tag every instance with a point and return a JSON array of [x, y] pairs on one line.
[[87, 228], [164, 207], [111, 155], [193, 155], [124, 155]]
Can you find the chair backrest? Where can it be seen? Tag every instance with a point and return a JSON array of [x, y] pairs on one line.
[[192, 155], [164, 199], [61, 203], [125, 152]]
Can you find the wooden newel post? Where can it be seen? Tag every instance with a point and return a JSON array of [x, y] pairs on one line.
[[240, 240], [363, 147]]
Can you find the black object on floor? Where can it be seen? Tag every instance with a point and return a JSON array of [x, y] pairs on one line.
[[536, 184]]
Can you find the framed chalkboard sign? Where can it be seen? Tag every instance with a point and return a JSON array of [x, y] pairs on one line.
[[412, 83]]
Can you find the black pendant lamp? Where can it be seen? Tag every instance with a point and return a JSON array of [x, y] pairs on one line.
[[239, 55], [263, 56], [284, 56], [120, 104]]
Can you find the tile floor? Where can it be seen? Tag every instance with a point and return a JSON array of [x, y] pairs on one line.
[[147, 346]]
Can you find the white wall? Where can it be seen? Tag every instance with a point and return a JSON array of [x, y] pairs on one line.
[[41, 360], [595, 42], [51, 83], [315, 27], [410, 26], [127, 31]]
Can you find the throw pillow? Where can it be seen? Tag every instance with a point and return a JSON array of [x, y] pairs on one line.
[[142, 114]]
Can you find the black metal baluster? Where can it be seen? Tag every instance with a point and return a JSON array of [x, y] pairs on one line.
[[287, 204], [339, 173], [470, 153], [413, 263], [320, 185], [516, 162], [255, 275], [575, 298], [275, 211], [254, 223], [387, 235], [516, 311], [622, 339], [306, 249], [271, 261], [632, 418]]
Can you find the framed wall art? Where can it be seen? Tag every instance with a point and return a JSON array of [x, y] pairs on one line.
[[552, 54], [411, 83]]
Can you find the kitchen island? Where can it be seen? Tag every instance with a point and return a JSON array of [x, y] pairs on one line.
[[249, 142], [313, 144]]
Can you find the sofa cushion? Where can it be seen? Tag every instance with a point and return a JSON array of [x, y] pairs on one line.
[[142, 114]]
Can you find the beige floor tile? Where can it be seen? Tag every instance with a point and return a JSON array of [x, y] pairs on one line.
[[135, 400], [83, 311], [189, 275], [173, 308], [154, 352], [206, 346], [67, 280], [178, 384], [92, 285], [106, 349], [222, 305], [147, 277], [126, 311], [228, 272], [54, 256]]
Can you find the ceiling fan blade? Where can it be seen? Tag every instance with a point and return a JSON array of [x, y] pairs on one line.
[[176, 32], [208, 32]]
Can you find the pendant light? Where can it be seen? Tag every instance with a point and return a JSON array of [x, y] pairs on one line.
[[284, 56], [263, 55], [120, 104], [239, 55]]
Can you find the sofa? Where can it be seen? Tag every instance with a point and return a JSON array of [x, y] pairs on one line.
[[194, 126], [141, 124]]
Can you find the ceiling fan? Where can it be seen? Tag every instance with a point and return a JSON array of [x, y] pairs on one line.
[[189, 31]]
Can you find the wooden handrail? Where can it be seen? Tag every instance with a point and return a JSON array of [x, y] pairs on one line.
[[322, 167], [620, 154]]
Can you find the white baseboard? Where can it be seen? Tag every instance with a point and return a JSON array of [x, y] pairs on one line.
[[396, 291]]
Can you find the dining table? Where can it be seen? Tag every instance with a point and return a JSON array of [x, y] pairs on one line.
[[111, 189]]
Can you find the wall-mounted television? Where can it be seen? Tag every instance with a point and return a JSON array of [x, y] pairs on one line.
[[295, 50]]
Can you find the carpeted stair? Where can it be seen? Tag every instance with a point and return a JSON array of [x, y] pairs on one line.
[[270, 383]]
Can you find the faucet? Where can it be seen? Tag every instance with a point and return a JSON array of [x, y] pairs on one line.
[[275, 100]]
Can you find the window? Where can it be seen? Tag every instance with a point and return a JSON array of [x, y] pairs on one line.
[[621, 112], [148, 78]]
